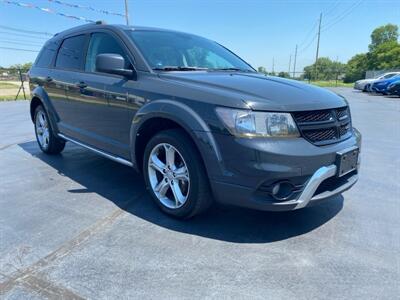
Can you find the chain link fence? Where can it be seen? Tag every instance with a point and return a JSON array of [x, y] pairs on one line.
[[326, 78], [14, 84], [376, 73]]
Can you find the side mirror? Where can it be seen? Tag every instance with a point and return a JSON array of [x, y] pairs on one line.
[[114, 64]]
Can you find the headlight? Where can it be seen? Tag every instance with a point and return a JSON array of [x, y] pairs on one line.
[[246, 123]]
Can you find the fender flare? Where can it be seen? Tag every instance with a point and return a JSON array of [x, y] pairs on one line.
[[43, 97], [187, 118]]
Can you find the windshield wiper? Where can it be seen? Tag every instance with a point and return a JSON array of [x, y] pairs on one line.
[[179, 68], [231, 69]]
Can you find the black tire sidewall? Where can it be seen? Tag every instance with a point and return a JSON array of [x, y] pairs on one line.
[[193, 161]]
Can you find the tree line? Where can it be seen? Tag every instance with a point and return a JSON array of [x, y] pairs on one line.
[[383, 54]]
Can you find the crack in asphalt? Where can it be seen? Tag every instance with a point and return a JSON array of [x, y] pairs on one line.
[[29, 278]]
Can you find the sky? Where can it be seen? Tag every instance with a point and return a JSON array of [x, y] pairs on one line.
[[262, 32]]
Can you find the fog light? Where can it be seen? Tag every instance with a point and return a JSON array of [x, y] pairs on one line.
[[282, 190]]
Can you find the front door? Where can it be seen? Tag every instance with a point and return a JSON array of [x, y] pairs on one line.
[[101, 100]]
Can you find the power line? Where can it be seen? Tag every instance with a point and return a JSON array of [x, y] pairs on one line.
[[87, 8], [46, 10], [332, 9], [20, 42], [337, 20], [25, 31], [19, 49], [309, 44], [308, 34], [24, 35]]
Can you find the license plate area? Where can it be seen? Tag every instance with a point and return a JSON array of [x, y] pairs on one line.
[[346, 161]]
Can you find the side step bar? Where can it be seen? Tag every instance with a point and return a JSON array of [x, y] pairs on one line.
[[109, 156]]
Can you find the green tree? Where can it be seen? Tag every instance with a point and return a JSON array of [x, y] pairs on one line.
[[384, 53], [284, 74], [25, 66], [324, 69], [383, 34], [262, 70], [356, 67], [385, 56]]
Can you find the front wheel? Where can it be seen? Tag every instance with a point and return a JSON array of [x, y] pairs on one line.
[[175, 174], [48, 142]]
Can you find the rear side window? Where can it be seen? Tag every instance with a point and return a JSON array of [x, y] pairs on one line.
[[101, 43], [46, 55], [70, 55]]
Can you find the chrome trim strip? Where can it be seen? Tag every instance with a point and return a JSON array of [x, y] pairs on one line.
[[109, 156], [320, 175], [344, 187]]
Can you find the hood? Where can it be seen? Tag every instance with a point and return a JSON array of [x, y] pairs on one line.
[[260, 92]]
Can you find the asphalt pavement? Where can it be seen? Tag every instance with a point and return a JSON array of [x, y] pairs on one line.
[[78, 226]]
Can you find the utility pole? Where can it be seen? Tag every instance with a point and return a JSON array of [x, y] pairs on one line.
[[294, 66], [290, 62], [126, 12], [273, 65], [316, 55]]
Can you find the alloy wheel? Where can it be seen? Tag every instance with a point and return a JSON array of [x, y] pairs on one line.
[[168, 175], [42, 129]]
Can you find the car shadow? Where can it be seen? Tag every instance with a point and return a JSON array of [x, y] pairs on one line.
[[124, 187]]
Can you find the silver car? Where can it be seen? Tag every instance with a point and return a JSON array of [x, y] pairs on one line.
[[365, 84]]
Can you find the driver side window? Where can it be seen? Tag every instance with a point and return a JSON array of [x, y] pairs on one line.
[[101, 43]]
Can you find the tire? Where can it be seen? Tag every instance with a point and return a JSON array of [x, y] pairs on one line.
[[182, 191], [47, 141]]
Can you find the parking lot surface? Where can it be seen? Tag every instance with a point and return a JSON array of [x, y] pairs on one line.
[[79, 226]]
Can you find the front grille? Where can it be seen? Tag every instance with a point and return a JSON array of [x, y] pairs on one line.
[[321, 135], [313, 116], [322, 127]]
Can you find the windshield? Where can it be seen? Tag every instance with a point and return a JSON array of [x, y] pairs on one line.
[[172, 51]]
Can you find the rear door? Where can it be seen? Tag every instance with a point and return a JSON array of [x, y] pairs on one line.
[[66, 75]]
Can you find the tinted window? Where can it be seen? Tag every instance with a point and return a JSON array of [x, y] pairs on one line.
[[45, 58], [102, 43], [46, 55], [172, 49], [70, 55]]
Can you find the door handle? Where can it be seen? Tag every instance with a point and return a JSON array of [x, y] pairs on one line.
[[81, 85], [49, 79]]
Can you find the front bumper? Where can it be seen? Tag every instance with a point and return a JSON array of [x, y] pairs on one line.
[[311, 169]]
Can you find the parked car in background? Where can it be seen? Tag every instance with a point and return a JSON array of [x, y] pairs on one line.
[[381, 86], [394, 88], [196, 120], [365, 84]]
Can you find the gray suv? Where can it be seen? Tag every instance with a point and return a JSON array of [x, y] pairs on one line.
[[199, 122]]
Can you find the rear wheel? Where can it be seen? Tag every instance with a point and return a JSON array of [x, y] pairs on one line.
[[175, 174], [48, 142]]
